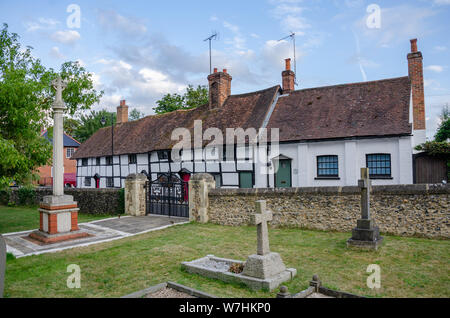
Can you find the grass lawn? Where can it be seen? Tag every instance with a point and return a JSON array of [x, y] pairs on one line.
[[16, 219], [410, 267]]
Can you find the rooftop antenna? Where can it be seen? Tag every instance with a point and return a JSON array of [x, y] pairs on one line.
[[292, 36], [212, 37]]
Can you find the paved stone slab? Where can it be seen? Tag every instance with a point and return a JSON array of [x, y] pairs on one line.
[[100, 231]]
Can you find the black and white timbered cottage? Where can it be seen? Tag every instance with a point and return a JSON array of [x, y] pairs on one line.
[[326, 135]]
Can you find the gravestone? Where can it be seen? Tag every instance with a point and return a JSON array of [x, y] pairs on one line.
[[2, 264], [264, 263], [366, 234]]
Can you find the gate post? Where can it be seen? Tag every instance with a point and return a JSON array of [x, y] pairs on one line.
[[199, 187], [135, 194]]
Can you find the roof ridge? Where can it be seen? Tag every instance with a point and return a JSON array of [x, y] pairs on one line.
[[350, 84], [255, 92]]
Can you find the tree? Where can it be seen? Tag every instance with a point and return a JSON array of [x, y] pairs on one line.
[[26, 96], [89, 124], [135, 115], [192, 98], [443, 132], [71, 125]]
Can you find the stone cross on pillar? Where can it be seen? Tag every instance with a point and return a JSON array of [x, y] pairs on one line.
[[366, 234], [260, 220], [58, 131], [365, 184], [58, 212], [2, 264]]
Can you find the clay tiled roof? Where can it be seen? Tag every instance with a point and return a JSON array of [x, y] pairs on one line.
[[154, 132], [378, 108]]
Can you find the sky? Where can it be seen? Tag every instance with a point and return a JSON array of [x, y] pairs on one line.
[[141, 50]]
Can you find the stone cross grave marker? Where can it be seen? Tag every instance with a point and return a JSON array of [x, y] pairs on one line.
[[365, 184], [2, 264], [260, 220]]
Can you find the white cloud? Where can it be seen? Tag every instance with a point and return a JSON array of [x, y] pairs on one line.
[[442, 2], [435, 68], [66, 37], [397, 24], [126, 26], [56, 53], [41, 24]]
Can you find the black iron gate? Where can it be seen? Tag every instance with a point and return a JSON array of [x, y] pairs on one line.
[[167, 195]]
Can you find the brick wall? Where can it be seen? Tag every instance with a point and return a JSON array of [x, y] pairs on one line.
[[405, 210]]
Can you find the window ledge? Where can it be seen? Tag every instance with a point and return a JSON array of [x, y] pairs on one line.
[[327, 178], [381, 178]]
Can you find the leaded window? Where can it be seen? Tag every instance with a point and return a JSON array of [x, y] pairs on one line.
[[379, 165], [132, 159], [109, 160], [327, 166], [110, 182], [87, 181]]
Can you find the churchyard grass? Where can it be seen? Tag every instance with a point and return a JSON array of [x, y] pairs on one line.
[[410, 267], [16, 219]]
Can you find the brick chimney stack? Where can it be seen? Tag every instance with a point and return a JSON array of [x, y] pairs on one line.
[[122, 112], [415, 68], [219, 88], [288, 78]]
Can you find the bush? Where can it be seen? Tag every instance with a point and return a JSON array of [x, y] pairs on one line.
[[27, 195], [5, 196], [121, 206]]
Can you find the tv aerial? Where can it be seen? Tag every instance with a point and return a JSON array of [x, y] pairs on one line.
[[214, 36], [292, 37]]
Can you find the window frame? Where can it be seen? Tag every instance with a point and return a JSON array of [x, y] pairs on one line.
[[109, 160], [98, 161], [132, 159], [327, 176], [67, 151], [87, 181], [84, 162], [107, 182], [379, 176]]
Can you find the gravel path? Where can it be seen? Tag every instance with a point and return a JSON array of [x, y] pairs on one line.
[[168, 293]]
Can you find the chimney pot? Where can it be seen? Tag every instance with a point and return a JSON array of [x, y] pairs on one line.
[[224, 70], [288, 64], [414, 45], [215, 70]]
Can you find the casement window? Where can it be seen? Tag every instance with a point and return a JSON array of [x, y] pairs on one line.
[[379, 165], [87, 181], [97, 161], [110, 182], [132, 159], [327, 167], [70, 152], [84, 162], [109, 160], [163, 155]]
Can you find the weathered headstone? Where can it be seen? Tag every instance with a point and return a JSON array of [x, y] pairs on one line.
[[366, 234], [2, 264], [265, 264]]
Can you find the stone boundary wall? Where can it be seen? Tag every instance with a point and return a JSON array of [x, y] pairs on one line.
[[90, 201], [405, 210]]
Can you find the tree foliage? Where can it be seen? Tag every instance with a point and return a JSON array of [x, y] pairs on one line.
[[443, 131], [192, 98], [135, 115], [26, 97], [90, 123], [435, 147]]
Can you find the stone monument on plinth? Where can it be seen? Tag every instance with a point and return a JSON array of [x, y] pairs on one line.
[[58, 212], [2, 264], [366, 234]]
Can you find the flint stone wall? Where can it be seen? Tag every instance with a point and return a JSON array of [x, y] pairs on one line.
[[90, 201], [405, 210]]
